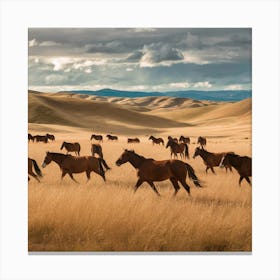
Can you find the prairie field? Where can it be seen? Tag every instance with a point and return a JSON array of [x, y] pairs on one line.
[[108, 216]]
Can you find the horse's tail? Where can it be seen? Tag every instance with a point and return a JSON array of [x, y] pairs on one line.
[[37, 169], [192, 176], [103, 162], [187, 151], [102, 172], [79, 149]]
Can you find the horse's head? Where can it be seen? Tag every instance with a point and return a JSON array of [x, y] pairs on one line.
[[125, 156], [181, 138], [196, 152], [150, 137], [47, 160], [168, 143], [62, 145], [227, 159]]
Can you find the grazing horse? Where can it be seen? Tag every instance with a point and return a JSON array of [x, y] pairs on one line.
[[96, 149], [133, 140], [97, 137], [156, 140], [30, 137], [176, 148], [50, 136], [211, 159], [70, 164], [170, 138], [243, 165], [185, 140], [33, 164], [202, 141], [41, 138], [150, 170], [112, 137], [71, 147]]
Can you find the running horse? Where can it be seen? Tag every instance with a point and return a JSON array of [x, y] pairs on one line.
[[211, 159], [133, 140], [112, 137], [50, 136], [71, 147], [41, 138], [156, 140], [97, 137], [185, 140], [33, 164], [71, 164], [30, 137], [243, 165], [176, 148], [201, 141], [150, 171]]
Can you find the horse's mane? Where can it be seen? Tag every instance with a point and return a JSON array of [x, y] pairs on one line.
[[60, 154], [132, 151]]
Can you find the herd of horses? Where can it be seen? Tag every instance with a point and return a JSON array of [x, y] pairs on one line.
[[149, 169]]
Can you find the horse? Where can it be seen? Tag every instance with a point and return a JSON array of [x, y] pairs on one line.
[[33, 164], [30, 137], [176, 148], [96, 149], [185, 140], [71, 147], [41, 138], [133, 140], [71, 164], [202, 141], [170, 138], [112, 137], [97, 137], [156, 140], [243, 165], [150, 170], [50, 136], [211, 159]]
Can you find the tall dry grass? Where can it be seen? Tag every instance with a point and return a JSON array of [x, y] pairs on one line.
[[98, 216]]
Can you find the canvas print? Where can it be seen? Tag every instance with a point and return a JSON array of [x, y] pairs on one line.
[[139, 140]]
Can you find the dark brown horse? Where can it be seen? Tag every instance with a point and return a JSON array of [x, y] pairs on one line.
[[170, 138], [156, 140], [210, 159], [201, 141], [30, 137], [96, 149], [33, 164], [133, 140], [243, 165], [176, 148], [97, 137], [71, 147], [70, 164], [185, 140], [150, 170], [112, 137], [50, 136], [41, 138]]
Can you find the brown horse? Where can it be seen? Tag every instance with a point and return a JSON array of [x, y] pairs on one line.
[[70, 164], [133, 140], [211, 159], [30, 137], [170, 138], [156, 140], [50, 136], [112, 137], [41, 138], [150, 170], [71, 147], [176, 148], [33, 164], [243, 165], [97, 137], [96, 149], [185, 140], [201, 141]]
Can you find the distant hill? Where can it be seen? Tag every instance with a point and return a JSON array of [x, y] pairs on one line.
[[221, 95]]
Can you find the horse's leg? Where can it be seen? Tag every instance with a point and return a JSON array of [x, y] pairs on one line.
[[71, 176], [34, 175], [240, 180], [230, 168], [63, 174], [88, 175], [207, 167], [153, 187], [138, 184], [185, 185], [248, 180], [212, 169], [175, 185]]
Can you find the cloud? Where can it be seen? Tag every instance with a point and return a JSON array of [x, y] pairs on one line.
[[202, 85], [35, 43], [234, 87], [32, 43]]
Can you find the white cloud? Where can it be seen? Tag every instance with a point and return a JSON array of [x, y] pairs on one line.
[[48, 44], [234, 87], [32, 43], [128, 69], [179, 85], [202, 85]]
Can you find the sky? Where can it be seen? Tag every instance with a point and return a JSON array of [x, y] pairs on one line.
[[139, 59]]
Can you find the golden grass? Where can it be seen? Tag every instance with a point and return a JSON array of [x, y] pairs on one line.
[[98, 216]]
